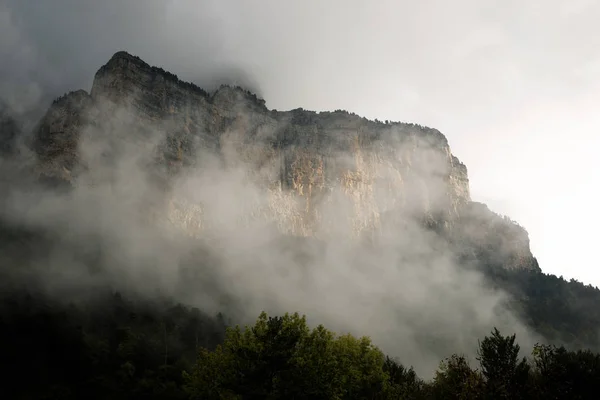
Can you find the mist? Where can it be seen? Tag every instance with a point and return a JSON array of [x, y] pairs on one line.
[[223, 236], [504, 83]]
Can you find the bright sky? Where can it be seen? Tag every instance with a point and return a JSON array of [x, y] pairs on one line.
[[513, 84]]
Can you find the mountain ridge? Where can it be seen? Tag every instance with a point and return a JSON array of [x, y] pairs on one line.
[[300, 156]]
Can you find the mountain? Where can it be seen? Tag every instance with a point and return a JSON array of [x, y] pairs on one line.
[[134, 212], [301, 159]]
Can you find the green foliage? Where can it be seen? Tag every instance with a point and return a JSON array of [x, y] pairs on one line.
[[403, 382], [563, 374], [456, 380], [281, 357], [116, 348], [556, 373], [505, 376], [564, 312]]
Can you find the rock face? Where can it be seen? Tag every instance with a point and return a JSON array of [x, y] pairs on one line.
[[303, 160]]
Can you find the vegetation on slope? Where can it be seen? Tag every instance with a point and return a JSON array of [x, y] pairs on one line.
[[112, 347], [118, 345]]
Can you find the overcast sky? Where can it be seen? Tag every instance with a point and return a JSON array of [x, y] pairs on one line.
[[514, 85]]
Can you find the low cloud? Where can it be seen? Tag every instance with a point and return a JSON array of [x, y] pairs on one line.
[[211, 236]]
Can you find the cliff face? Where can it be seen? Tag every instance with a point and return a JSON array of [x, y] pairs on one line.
[[305, 161]]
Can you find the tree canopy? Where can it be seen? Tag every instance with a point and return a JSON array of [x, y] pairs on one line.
[[131, 349]]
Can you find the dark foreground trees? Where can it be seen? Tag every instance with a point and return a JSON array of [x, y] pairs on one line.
[[281, 357], [133, 350]]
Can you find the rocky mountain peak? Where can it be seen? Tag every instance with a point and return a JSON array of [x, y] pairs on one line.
[[303, 160]]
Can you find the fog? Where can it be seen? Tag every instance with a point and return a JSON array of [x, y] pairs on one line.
[[213, 239], [510, 84]]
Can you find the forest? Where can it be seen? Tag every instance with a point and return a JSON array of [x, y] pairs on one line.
[[108, 343], [112, 346]]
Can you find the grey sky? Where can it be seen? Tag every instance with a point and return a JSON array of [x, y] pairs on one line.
[[512, 84]]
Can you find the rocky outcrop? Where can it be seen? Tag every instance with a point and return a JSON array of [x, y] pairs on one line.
[[59, 132], [480, 234], [303, 159]]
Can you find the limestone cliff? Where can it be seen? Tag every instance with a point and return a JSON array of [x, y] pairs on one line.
[[303, 160]]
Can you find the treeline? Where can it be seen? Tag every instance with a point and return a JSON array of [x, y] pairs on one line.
[[563, 311], [100, 346], [281, 357], [110, 347]]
